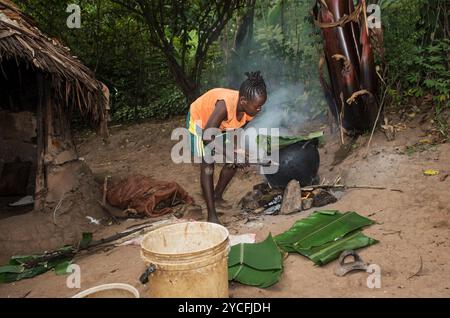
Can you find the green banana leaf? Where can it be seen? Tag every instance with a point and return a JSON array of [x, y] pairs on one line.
[[38, 258], [10, 277], [253, 277], [13, 273], [61, 268], [261, 256], [23, 259], [16, 269], [326, 253], [28, 266], [85, 240], [320, 228], [284, 141], [325, 234], [259, 264]]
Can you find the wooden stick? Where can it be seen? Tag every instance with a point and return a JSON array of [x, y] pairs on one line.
[[376, 123], [104, 207], [116, 236], [105, 190], [341, 117], [103, 203], [95, 245], [39, 192], [126, 233], [378, 116], [173, 199], [343, 186]]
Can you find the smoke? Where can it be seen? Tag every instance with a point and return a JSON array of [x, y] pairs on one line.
[[290, 102], [284, 108], [281, 110], [278, 112]]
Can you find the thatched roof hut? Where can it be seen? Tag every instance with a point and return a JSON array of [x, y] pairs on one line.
[[41, 85]]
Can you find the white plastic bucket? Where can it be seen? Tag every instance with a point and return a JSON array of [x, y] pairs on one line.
[[190, 260]]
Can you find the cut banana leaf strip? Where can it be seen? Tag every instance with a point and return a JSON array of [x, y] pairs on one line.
[[30, 260], [28, 266], [320, 228], [27, 273], [61, 268], [85, 240], [13, 273], [16, 269], [328, 252], [22, 259]]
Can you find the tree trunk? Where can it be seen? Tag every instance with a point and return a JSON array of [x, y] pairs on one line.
[[186, 84], [241, 46], [40, 186], [283, 21]]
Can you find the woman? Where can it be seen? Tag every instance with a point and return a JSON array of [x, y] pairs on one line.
[[223, 109]]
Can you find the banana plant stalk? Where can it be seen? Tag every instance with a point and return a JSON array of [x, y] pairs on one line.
[[349, 58]]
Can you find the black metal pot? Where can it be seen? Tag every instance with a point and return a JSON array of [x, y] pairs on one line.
[[299, 161]]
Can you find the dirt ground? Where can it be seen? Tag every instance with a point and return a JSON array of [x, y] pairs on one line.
[[413, 226]]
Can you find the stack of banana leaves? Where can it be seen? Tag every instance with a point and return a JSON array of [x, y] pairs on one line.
[[352, 89], [321, 237], [259, 264], [324, 235]]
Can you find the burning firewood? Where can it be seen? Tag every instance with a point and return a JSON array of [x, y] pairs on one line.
[[273, 201]]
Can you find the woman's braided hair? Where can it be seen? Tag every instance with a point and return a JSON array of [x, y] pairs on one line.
[[253, 86]]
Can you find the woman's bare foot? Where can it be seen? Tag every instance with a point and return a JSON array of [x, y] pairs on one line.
[[214, 219]]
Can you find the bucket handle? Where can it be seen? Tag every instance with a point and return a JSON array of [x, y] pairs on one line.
[[144, 277]]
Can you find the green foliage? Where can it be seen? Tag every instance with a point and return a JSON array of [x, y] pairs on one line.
[[172, 102], [300, 46], [399, 19], [285, 47], [215, 70], [417, 49], [430, 64], [416, 56], [115, 45]]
